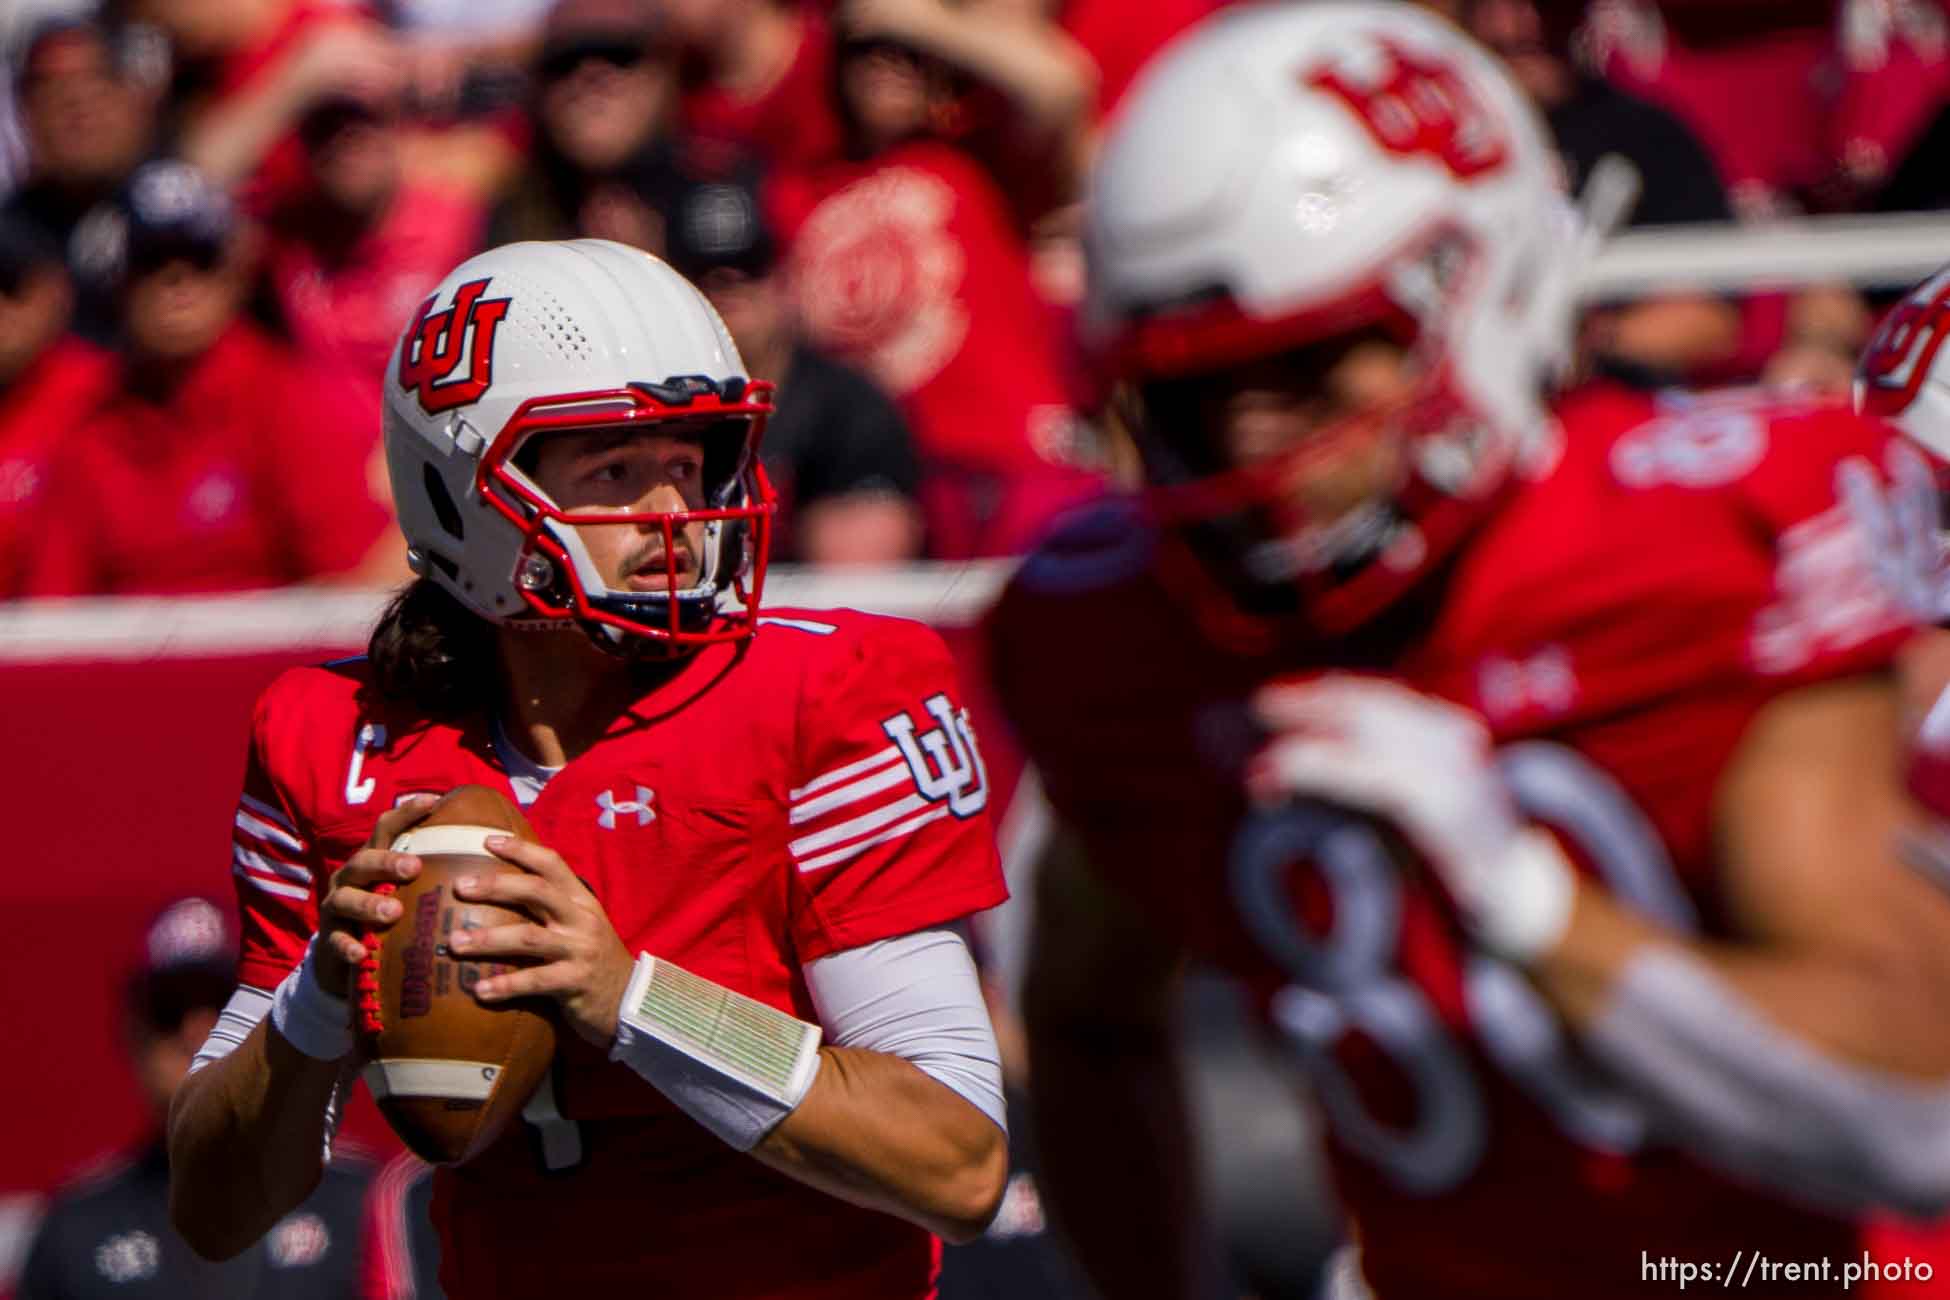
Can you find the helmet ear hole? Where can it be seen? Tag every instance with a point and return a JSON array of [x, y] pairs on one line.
[[444, 509]]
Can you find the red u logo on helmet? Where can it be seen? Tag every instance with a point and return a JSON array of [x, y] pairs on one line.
[[448, 357]]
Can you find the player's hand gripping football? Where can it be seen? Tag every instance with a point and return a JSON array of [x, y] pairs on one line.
[[1427, 768], [577, 958], [352, 905]]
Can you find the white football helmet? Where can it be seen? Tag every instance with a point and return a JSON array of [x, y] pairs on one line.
[[532, 338], [1904, 374], [1289, 172]]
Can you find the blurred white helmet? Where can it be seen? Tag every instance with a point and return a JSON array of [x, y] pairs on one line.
[[534, 338], [1904, 374], [1286, 173]]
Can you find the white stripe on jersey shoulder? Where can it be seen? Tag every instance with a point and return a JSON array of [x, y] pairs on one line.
[[272, 886], [268, 813], [251, 824], [838, 774], [894, 832], [857, 826], [799, 624], [886, 778], [270, 866]]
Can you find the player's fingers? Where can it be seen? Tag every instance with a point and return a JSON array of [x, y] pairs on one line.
[[534, 981], [394, 821], [1303, 768], [370, 867], [520, 940], [352, 906], [348, 949], [542, 897], [538, 858]]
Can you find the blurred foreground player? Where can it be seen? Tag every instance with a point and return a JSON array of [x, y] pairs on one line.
[[110, 1235], [774, 815], [1576, 891]]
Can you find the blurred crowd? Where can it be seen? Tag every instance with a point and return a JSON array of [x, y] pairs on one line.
[[219, 214]]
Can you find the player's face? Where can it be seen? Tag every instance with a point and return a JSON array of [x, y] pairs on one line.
[[1313, 416], [629, 471]]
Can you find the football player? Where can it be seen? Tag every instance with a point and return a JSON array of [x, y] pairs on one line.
[[1537, 771], [782, 813]]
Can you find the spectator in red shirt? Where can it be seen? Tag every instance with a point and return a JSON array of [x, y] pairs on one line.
[[758, 77], [224, 463], [49, 383], [352, 262], [909, 266]]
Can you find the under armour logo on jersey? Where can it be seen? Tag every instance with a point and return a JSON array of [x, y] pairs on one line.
[[945, 762], [459, 340], [638, 807]]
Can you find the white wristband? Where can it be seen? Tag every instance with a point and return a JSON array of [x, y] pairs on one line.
[[1529, 908], [732, 1063], [315, 1022]]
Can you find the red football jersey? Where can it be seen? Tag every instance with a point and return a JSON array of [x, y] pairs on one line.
[[254, 471], [1618, 622], [815, 790]]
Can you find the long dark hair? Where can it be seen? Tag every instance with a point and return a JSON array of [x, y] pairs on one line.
[[433, 653]]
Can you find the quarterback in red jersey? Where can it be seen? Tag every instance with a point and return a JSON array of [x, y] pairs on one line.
[[1539, 776], [782, 811]]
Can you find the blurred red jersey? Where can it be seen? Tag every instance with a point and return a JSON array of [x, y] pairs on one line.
[[813, 791], [251, 471], [1619, 622]]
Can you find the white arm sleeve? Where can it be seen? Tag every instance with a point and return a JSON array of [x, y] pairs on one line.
[[240, 1015], [916, 997]]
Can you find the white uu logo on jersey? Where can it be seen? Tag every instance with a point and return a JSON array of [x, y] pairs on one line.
[[945, 763], [638, 807]]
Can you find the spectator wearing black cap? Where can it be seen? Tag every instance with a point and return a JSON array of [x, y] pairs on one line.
[[87, 109], [223, 463], [110, 1236], [605, 161], [838, 450], [49, 383]]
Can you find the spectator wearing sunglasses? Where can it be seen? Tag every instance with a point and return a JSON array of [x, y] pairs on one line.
[[49, 383], [604, 158], [223, 463]]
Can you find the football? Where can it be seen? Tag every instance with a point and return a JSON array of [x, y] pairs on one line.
[[448, 1072]]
